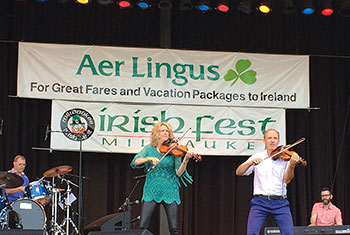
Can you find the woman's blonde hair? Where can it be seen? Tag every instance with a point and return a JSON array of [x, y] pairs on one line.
[[155, 140]]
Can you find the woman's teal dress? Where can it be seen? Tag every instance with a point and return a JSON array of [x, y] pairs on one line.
[[162, 183]]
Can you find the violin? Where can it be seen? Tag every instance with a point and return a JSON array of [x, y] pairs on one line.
[[170, 147], [283, 153]]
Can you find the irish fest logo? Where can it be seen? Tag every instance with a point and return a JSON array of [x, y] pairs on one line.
[[77, 124]]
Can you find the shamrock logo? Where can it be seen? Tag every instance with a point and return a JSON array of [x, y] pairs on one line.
[[248, 77]]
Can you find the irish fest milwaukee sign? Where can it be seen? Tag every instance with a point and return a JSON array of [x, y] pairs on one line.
[[126, 128]]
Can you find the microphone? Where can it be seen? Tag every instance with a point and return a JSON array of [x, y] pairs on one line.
[[139, 177], [125, 204], [77, 176], [1, 125], [60, 176], [135, 219], [135, 202], [47, 131]]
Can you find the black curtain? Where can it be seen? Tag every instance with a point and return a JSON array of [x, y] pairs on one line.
[[218, 201]]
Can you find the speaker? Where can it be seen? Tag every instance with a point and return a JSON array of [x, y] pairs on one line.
[[22, 232], [133, 232], [109, 222]]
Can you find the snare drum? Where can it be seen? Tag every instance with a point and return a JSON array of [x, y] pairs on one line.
[[31, 214], [37, 191]]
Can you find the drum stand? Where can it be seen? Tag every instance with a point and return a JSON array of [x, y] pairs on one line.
[[67, 221], [55, 227]]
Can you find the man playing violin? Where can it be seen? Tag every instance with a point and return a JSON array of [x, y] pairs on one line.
[[162, 177], [270, 186]]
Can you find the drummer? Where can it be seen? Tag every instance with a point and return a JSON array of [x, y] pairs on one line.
[[19, 164]]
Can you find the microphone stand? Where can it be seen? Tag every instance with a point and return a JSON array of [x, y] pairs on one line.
[[127, 206], [80, 197], [68, 221]]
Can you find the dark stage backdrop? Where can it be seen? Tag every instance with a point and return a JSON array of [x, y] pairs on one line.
[[218, 201]]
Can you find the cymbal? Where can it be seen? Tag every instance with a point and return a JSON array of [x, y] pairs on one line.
[[10, 180], [59, 170]]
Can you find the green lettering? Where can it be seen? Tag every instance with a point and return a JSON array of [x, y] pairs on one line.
[[117, 67], [105, 141], [264, 123], [201, 73], [146, 123], [181, 122], [134, 68], [178, 74], [212, 71], [159, 66], [250, 146], [89, 64], [105, 64], [230, 125], [198, 130], [206, 145], [111, 119], [242, 125]]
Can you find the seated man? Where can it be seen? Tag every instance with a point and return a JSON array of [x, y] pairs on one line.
[[19, 164], [325, 213]]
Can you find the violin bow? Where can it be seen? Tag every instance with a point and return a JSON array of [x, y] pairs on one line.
[[288, 147], [171, 148]]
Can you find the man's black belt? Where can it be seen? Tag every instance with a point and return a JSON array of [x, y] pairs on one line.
[[271, 197]]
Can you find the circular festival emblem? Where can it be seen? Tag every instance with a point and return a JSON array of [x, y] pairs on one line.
[[77, 124]]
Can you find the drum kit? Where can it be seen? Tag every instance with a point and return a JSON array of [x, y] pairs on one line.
[[28, 212]]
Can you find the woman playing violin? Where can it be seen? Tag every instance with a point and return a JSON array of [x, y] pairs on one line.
[[162, 177], [270, 186]]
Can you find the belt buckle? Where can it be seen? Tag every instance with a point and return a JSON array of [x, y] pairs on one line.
[[270, 197]]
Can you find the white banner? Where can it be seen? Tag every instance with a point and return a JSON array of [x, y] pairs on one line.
[[162, 76], [109, 127]]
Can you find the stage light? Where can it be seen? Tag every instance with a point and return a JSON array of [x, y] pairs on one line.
[[265, 7], [245, 6], [288, 7], [185, 5], [223, 6], [307, 7], [344, 8], [326, 7], [143, 4], [204, 5], [165, 4], [42, 0], [124, 4], [83, 1], [104, 2]]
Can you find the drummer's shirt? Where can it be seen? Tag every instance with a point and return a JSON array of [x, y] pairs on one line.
[[20, 194]]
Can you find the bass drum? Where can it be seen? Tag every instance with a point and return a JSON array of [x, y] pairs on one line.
[[31, 214]]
